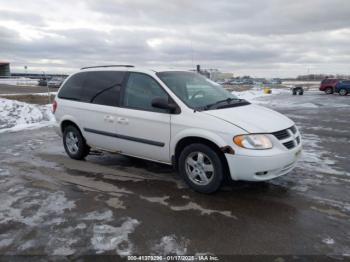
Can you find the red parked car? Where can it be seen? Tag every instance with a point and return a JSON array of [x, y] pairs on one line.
[[328, 85]]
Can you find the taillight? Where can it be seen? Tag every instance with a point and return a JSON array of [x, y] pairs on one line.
[[54, 106]]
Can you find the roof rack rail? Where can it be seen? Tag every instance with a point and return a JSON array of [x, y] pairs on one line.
[[106, 66]]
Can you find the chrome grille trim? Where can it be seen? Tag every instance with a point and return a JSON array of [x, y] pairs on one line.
[[289, 137]]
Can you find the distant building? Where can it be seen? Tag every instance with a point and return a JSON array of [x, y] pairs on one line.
[[5, 69], [213, 74]]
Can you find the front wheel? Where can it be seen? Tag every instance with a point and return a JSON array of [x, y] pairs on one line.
[[74, 143], [201, 168], [329, 90], [343, 92]]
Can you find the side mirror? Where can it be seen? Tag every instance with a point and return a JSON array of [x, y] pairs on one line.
[[163, 103]]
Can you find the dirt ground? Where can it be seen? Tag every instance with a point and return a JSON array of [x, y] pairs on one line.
[[12, 89], [31, 99]]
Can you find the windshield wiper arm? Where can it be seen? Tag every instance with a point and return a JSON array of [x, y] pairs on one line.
[[227, 100]]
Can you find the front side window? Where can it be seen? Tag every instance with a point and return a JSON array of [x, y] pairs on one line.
[[198, 92], [140, 90]]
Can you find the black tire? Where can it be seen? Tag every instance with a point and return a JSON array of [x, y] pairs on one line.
[[343, 92], [301, 93], [210, 156], [82, 149], [294, 93], [329, 90]]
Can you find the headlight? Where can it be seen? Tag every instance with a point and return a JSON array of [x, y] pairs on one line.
[[253, 141]]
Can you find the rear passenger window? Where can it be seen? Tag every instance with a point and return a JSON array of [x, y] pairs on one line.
[[72, 89], [103, 87]]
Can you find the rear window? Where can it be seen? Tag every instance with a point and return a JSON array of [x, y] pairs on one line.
[[329, 81], [103, 87], [72, 89]]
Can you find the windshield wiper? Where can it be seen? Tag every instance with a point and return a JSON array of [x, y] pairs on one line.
[[227, 100]]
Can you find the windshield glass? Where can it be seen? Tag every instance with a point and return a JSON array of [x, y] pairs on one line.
[[195, 90]]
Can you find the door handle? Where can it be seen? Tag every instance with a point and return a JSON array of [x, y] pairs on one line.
[[122, 120], [109, 119]]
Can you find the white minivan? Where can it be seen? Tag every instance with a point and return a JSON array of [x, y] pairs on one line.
[[179, 118]]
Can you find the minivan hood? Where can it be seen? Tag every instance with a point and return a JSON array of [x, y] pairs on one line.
[[253, 118]]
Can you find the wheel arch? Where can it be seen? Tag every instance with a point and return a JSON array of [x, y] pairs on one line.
[[219, 149], [68, 122]]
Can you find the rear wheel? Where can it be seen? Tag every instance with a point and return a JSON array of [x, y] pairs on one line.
[[74, 143], [343, 92], [329, 90], [201, 168]]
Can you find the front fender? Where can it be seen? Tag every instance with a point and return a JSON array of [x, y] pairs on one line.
[[196, 132]]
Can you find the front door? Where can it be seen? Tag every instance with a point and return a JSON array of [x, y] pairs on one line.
[[143, 130]]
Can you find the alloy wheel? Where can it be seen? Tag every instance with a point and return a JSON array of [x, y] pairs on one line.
[[72, 142], [199, 168]]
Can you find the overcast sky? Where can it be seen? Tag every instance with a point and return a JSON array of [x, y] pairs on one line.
[[268, 38]]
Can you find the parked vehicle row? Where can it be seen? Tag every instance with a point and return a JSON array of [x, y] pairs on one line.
[[332, 85], [53, 82], [178, 118]]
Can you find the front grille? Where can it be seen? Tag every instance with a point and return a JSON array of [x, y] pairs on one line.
[[289, 144], [290, 133], [281, 135], [294, 129]]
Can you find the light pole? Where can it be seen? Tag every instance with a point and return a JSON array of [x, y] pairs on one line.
[[47, 86], [26, 73]]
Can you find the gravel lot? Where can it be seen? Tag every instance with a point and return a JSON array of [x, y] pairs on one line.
[[110, 204]]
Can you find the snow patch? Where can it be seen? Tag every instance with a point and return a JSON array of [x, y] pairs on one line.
[[254, 93], [5, 242], [14, 202], [170, 245], [314, 157], [107, 237], [189, 206], [328, 241], [203, 211], [16, 115], [21, 81], [105, 216]]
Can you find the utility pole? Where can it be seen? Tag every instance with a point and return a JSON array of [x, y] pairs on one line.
[[26, 73], [48, 89]]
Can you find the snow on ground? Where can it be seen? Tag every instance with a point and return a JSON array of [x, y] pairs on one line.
[[171, 245], [107, 237], [19, 81], [252, 94], [15, 115], [34, 94]]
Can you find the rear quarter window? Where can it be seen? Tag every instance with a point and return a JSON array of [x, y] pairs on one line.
[[73, 87]]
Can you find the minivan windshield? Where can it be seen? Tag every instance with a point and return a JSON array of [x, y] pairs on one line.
[[198, 92]]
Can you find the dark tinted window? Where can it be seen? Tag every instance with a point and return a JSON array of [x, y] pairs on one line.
[[346, 82], [72, 89], [103, 87], [140, 90]]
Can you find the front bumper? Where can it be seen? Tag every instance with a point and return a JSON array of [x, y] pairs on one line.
[[261, 168]]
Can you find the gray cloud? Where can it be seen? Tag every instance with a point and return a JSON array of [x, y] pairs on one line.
[[272, 37]]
